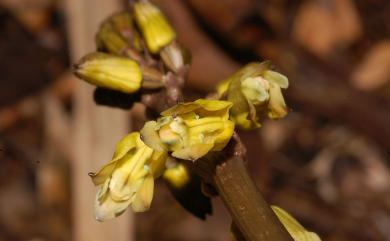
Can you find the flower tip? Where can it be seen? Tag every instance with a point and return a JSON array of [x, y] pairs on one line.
[[154, 26]]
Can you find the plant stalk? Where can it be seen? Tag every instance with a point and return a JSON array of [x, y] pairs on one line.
[[250, 212]]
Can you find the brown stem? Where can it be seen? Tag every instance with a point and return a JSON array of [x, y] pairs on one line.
[[253, 219], [250, 212]]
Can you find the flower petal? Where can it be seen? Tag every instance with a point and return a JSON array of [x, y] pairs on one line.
[[151, 138], [108, 208], [277, 78], [294, 228], [193, 152], [276, 107], [127, 144], [143, 197]]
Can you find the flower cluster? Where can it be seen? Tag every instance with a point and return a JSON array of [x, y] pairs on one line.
[[126, 62], [120, 63], [188, 131], [254, 90]]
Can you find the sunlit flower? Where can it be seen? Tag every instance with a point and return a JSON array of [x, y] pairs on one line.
[[128, 179], [293, 227], [191, 130], [110, 71], [154, 26], [255, 90]]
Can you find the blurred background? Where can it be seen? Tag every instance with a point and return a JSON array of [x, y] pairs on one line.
[[327, 163]]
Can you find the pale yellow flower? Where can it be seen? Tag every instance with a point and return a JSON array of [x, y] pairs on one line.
[[255, 90], [128, 179], [191, 130]]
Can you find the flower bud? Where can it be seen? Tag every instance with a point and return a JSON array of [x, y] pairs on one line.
[[191, 130], [186, 187], [128, 179], [117, 35], [109, 39], [293, 227], [155, 28], [110, 71], [255, 91], [174, 57]]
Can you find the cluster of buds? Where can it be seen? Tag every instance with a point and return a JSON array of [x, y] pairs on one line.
[[254, 90], [130, 46]]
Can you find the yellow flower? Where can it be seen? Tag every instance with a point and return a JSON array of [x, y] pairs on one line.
[[191, 130], [294, 228], [128, 179], [254, 90], [110, 71], [155, 28]]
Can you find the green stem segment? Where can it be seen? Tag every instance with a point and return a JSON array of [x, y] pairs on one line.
[[250, 212]]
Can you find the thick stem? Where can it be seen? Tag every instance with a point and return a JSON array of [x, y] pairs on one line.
[[250, 212]]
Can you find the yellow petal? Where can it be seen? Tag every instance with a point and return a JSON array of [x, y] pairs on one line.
[[277, 78], [108, 208], [253, 69], [155, 28], [294, 228], [255, 89], [223, 87], [202, 121], [157, 164], [242, 121], [276, 107], [201, 107], [222, 139], [110, 71], [124, 146], [180, 109], [193, 152], [130, 170], [109, 39], [143, 198], [151, 137]]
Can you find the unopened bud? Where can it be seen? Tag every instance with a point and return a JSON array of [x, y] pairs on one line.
[[154, 26], [109, 39], [110, 71], [173, 57]]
